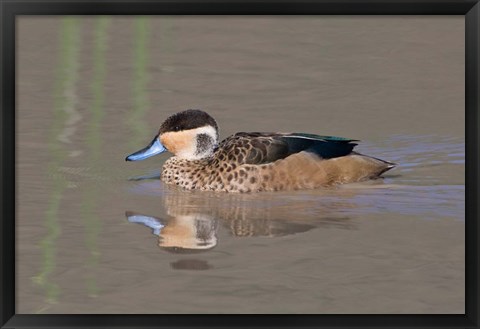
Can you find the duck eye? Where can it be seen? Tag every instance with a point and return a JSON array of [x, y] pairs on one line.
[[177, 128]]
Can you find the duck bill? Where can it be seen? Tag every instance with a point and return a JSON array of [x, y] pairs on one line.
[[154, 148]]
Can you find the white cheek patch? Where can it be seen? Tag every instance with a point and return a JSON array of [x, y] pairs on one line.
[[207, 130], [190, 150]]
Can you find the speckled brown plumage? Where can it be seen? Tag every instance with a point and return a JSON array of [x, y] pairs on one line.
[[259, 162]]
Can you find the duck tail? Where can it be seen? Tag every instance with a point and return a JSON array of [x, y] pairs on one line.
[[383, 165], [389, 165]]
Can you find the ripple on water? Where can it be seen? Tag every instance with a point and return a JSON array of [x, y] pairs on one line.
[[426, 202], [429, 179]]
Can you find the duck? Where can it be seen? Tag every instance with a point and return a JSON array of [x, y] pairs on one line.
[[254, 161]]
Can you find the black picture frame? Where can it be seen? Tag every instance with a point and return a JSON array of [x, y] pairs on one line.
[[12, 8]]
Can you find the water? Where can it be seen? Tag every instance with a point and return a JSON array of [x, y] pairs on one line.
[[98, 235]]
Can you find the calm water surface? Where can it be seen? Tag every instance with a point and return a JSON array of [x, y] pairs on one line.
[[98, 235]]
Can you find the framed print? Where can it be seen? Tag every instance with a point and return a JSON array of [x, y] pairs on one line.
[[309, 164]]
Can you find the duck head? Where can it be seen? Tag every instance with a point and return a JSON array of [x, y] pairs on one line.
[[191, 135]]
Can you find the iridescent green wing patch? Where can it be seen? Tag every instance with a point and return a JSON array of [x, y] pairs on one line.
[[326, 147], [325, 138]]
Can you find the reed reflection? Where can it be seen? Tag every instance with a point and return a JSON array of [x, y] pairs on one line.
[[64, 119]]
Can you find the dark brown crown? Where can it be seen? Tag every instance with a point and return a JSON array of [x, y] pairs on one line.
[[189, 119]]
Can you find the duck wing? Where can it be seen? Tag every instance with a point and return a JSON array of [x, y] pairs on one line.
[[261, 148], [326, 147]]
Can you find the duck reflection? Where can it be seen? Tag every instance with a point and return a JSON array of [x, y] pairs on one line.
[[192, 218], [182, 233]]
